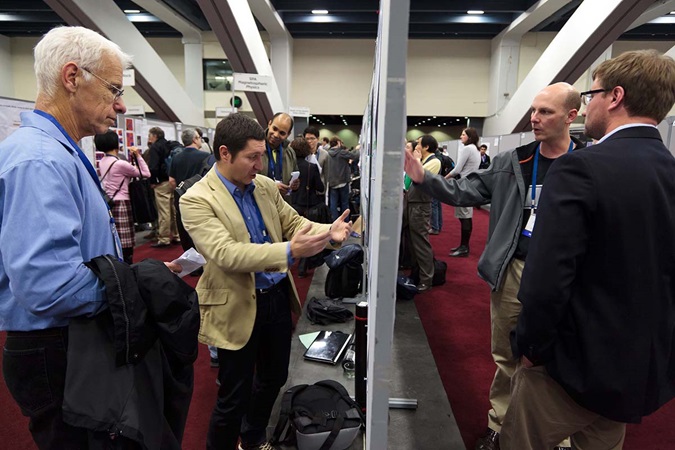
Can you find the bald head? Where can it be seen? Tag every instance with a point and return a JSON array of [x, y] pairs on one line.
[[564, 93], [278, 129]]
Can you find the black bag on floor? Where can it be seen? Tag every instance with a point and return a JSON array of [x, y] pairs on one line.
[[324, 311], [405, 288], [440, 269], [323, 416], [345, 272]]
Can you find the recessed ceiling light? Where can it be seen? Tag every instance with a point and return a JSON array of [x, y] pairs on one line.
[[475, 11], [672, 12], [434, 117], [132, 11], [319, 11]]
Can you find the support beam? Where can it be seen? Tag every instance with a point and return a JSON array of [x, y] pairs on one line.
[[506, 52], [281, 51], [154, 81], [234, 26], [6, 78], [658, 9], [192, 46], [570, 53]]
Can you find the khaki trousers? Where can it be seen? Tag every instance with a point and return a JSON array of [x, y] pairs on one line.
[[422, 255], [541, 413], [166, 213], [504, 310]]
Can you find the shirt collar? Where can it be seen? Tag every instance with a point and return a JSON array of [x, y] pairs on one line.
[[623, 127], [232, 188]]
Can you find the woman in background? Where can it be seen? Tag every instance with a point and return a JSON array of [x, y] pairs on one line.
[[115, 176], [307, 199], [468, 161]]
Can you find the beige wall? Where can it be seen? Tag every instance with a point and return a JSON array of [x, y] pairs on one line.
[[445, 77]]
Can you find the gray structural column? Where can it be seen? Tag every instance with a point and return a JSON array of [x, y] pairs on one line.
[[154, 81], [6, 77], [233, 24], [281, 47], [192, 47], [594, 26], [506, 52], [385, 219]]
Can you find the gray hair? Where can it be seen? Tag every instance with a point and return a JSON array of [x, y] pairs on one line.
[[77, 44], [188, 135]]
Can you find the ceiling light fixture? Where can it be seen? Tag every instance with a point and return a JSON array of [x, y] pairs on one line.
[[475, 12], [132, 11], [320, 11]]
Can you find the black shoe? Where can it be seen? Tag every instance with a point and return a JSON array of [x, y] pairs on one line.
[[462, 252], [454, 249], [160, 245], [489, 441]]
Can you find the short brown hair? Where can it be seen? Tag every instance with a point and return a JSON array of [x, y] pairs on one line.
[[157, 132], [647, 78], [234, 132], [301, 147]]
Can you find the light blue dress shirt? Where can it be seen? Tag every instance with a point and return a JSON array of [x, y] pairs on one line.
[[256, 228], [52, 220]]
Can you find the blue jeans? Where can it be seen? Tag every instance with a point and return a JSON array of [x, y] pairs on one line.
[[436, 215], [250, 378], [339, 201]]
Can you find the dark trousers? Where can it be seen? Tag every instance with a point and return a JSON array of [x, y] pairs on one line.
[[34, 368], [250, 378], [338, 199], [185, 239], [436, 215]]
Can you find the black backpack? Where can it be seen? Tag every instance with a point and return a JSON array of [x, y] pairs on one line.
[[322, 414], [184, 185], [324, 311], [345, 272], [440, 269], [447, 164], [405, 288]]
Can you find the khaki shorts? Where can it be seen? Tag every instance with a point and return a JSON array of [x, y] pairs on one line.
[[462, 212]]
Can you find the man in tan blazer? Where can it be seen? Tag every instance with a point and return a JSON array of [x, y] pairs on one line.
[[246, 295]]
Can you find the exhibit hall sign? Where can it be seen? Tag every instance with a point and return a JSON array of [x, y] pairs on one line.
[[129, 77], [251, 82]]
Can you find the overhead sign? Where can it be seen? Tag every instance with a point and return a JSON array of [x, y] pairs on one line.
[[135, 110], [299, 111], [251, 82], [129, 77], [224, 111]]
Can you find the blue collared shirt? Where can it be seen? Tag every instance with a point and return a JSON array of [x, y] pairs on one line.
[[52, 220], [256, 228]]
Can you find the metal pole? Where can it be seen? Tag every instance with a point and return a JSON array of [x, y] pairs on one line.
[[361, 350]]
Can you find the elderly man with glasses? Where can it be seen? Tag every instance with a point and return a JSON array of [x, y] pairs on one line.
[[54, 219]]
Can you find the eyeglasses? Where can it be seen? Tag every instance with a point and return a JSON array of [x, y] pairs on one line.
[[587, 96], [116, 92]]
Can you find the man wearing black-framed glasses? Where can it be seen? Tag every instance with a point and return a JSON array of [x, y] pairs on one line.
[[595, 333]]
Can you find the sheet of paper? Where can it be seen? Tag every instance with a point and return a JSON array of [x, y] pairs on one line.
[[308, 338], [189, 261]]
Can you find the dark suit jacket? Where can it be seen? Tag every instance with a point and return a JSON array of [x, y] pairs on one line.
[[598, 289], [484, 161]]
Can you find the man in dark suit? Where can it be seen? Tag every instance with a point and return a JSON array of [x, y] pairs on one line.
[[484, 157], [595, 334]]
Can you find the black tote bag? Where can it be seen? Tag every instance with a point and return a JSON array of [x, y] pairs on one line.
[[142, 199]]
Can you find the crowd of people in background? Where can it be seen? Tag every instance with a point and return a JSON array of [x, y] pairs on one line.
[[581, 306]]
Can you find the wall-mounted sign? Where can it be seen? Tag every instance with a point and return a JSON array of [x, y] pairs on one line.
[[299, 111], [224, 111], [129, 77], [251, 82], [135, 110]]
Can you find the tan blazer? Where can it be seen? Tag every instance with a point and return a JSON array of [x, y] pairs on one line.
[[227, 299]]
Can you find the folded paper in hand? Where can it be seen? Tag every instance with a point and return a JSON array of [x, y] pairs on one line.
[[189, 261]]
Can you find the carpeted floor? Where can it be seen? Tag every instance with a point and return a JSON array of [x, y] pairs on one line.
[[456, 318], [457, 323]]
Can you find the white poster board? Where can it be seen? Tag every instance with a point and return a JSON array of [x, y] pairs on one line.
[[10, 114]]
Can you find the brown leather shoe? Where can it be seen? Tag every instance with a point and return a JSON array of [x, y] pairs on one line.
[[489, 441]]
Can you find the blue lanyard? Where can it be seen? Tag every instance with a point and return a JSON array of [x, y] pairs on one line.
[[92, 174], [271, 165], [533, 204]]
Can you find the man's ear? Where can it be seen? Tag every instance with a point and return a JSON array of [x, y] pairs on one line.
[[69, 77], [225, 154], [618, 94], [571, 115]]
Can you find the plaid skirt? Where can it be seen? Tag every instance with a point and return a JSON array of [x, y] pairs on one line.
[[124, 221]]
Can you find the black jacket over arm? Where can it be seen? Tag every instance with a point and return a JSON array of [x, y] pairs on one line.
[[598, 288]]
